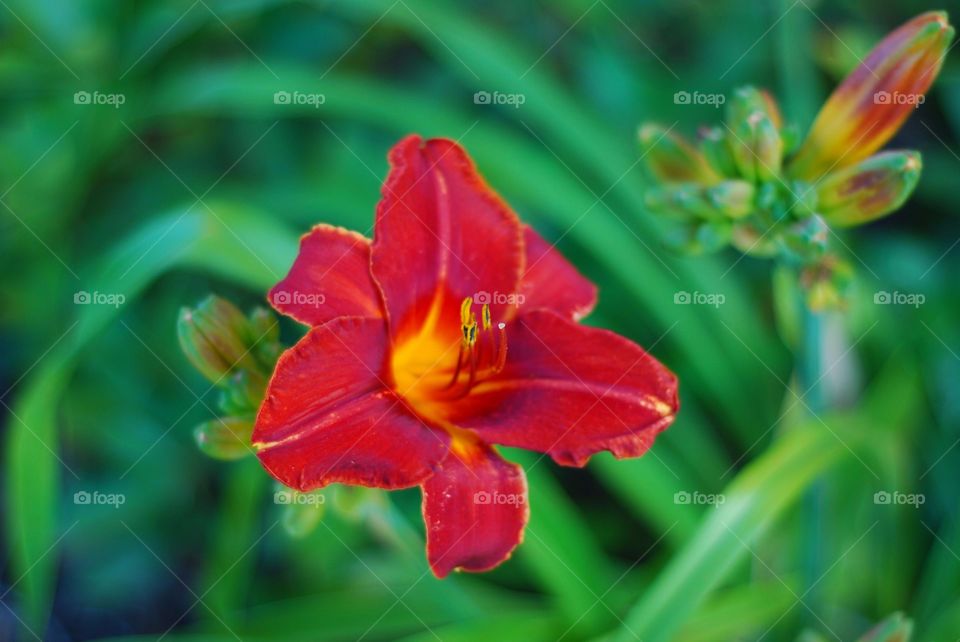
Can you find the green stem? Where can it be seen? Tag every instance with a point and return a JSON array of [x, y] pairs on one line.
[[809, 382]]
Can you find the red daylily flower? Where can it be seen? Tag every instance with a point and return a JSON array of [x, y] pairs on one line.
[[455, 329]]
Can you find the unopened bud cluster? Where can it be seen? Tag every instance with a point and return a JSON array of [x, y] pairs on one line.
[[236, 353], [751, 183]]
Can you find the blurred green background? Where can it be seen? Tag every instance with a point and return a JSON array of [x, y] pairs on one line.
[[201, 181]]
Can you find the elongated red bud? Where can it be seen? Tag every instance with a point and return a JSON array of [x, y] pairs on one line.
[[872, 102]]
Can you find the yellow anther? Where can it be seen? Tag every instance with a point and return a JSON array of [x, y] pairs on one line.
[[465, 311], [485, 315], [469, 331], [469, 323]]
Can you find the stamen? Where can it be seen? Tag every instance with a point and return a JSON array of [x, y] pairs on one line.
[[501, 348], [491, 361], [456, 371], [473, 372]]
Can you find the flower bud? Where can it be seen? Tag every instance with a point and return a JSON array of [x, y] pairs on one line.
[[752, 241], [870, 105], [805, 239], [225, 438], [734, 199], [681, 201], [243, 392], [671, 159], [755, 122], [715, 147], [265, 331], [871, 189], [216, 338], [827, 284], [757, 147], [700, 238], [749, 100], [303, 512]]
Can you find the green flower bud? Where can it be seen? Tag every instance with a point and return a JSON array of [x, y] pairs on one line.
[[827, 283], [243, 393], [757, 148], [749, 100], [700, 238], [870, 189], [752, 241], [302, 512], [357, 502], [265, 331], [734, 199], [216, 338], [681, 201], [806, 239], [671, 159], [225, 438], [754, 119], [715, 147]]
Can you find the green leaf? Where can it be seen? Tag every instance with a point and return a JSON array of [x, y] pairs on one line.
[[742, 612], [757, 497], [207, 239]]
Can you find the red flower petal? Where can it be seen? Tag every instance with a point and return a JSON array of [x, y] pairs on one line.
[[329, 418], [571, 391], [441, 235], [551, 282], [475, 508], [330, 278]]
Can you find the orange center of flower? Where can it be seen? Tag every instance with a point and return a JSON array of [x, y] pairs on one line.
[[435, 365]]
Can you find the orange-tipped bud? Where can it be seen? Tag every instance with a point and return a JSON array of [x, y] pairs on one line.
[[672, 159], [869, 106], [870, 189]]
